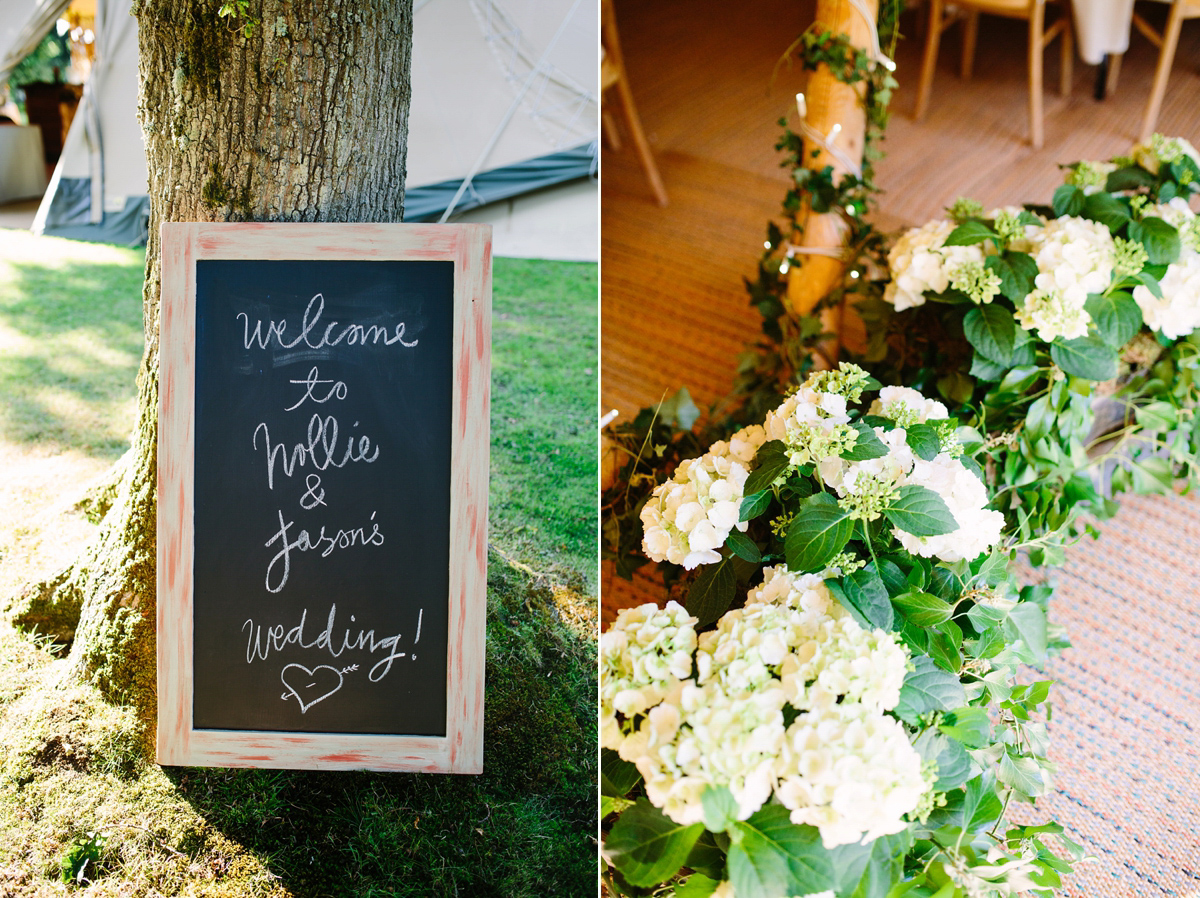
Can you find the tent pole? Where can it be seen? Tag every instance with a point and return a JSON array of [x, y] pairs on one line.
[[512, 109]]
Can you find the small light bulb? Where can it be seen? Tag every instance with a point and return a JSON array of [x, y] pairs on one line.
[[784, 266], [887, 63], [801, 106], [854, 274], [766, 244]]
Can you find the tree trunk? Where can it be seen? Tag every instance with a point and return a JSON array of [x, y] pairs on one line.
[[286, 110]]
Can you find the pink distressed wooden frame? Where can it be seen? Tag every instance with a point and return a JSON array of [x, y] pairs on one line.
[[469, 248]]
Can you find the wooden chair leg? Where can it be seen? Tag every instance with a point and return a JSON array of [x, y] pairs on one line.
[[969, 36], [1037, 20], [1114, 71], [638, 136], [1066, 56], [929, 62], [1166, 57], [609, 126]]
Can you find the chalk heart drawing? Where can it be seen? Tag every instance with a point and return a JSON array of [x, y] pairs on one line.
[[311, 685]]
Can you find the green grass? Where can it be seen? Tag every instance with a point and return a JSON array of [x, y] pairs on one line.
[[72, 784], [544, 414], [70, 342]]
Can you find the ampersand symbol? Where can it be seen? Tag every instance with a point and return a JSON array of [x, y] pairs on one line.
[[314, 495]]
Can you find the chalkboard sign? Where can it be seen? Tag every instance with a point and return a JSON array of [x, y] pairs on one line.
[[323, 495]]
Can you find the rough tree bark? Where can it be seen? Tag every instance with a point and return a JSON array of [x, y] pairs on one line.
[[285, 110]]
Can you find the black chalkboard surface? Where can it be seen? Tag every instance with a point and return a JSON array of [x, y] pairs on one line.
[[322, 495]]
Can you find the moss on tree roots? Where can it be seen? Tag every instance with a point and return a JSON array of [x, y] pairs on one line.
[[73, 763]]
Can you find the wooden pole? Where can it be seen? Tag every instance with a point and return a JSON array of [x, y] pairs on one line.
[[830, 102]]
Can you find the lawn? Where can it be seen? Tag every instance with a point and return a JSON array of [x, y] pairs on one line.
[[74, 794]]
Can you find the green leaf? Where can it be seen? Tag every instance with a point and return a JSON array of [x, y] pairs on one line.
[[1106, 209], [1023, 774], [1152, 476], [743, 546], [866, 446], [1151, 283], [648, 847], [954, 764], [1088, 357], [712, 593], [1118, 317], [1157, 416], [892, 577], [770, 856], [982, 807], [755, 504], [992, 330], [1029, 624], [928, 688], [923, 609], [679, 411], [865, 591], [772, 461], [969, 233], [1023, 349], [1129, 178], [1068, 200], [720, 808], [617, 776], [920, 511], [612, 805], [1160, 239], [697, 886], [985, 369], [885, 867], [970, 726], [820, 531], [923, 440]]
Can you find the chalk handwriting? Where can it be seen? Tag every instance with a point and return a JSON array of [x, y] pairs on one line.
[[320, 449], [313, 338], [260, 643], [337, 391], [314, 494], [323, 543]]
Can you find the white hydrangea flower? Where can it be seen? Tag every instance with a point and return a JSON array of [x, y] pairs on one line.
[[1052, 315], [1179, 215], [717, 740], [842, 662], [897, 402], [1024, 240], [643, 656], [870, 484], [1177, 313], [803, 592], [1161, 149], [1074, 257], [919, 262], [688, 518], [850, 772], [965, 495], [810, 423]]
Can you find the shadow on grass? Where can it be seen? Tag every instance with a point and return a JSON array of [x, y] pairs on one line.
[[70, 344], [525, 827]]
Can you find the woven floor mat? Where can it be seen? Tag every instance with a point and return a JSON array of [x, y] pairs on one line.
[[1126, 699]]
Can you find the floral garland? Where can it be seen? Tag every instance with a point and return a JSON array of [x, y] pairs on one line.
[[856, 722], [1065, 334]]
